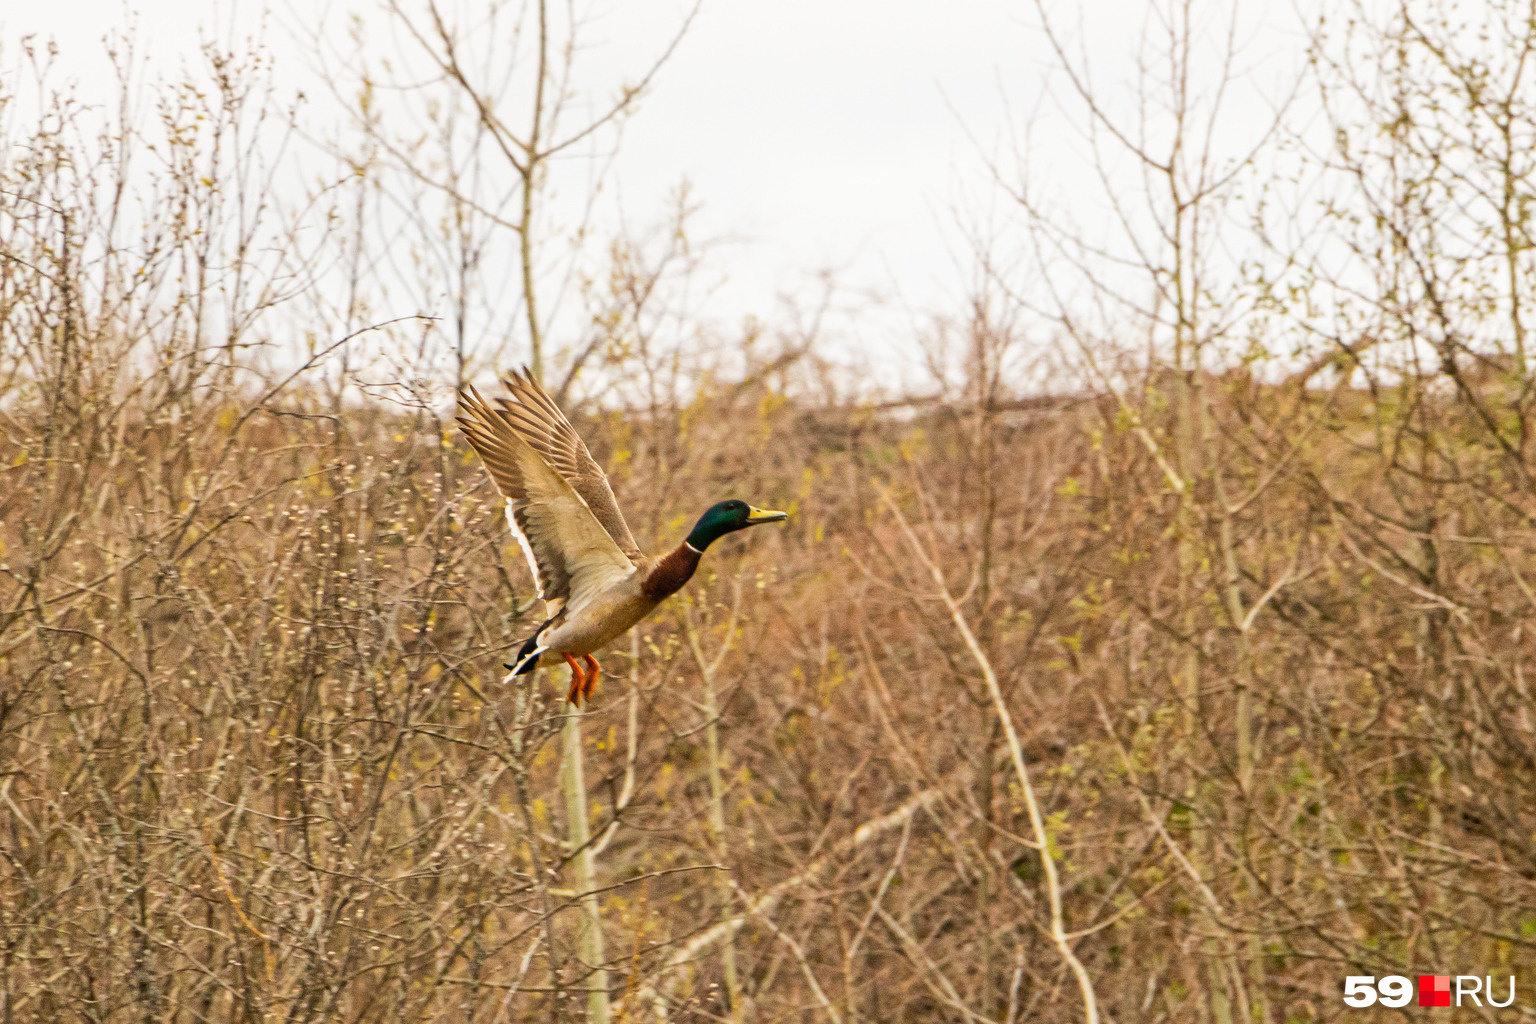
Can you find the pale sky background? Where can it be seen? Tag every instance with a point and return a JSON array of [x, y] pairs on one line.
[[817, 135]]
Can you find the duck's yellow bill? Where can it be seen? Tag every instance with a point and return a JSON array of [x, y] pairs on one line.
[[764, 515]]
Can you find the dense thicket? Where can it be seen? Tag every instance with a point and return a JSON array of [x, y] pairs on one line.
[[261, 758]]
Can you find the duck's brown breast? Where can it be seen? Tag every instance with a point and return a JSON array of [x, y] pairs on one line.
[[670, 573]]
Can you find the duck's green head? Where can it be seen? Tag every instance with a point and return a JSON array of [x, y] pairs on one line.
[[728, 517]]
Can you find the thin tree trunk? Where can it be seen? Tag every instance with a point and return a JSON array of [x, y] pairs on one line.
[[589, 943]]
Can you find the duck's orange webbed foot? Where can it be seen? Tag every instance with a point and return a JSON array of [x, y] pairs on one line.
[[578, 679], [593, 671]]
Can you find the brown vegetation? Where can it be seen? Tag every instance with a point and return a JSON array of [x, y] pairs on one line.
[[1261, 642]]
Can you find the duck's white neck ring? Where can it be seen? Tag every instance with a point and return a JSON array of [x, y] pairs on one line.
[[690, 547]]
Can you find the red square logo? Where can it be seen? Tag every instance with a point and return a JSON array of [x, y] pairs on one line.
[[1434, 990]]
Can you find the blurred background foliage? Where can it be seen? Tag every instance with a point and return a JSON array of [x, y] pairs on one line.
[[1229, 517]]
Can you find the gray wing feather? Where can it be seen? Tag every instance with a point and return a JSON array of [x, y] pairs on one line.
[[539, 421], [570, 553]]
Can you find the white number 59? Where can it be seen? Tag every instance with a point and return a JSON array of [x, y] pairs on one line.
[[1361, 990]]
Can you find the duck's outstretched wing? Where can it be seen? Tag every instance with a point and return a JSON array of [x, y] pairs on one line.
[[539, 421], [572, 556]]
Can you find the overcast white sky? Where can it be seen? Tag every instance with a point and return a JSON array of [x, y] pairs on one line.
[[816, 134]]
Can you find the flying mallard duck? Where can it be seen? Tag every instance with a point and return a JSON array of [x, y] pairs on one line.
[[593, 579]]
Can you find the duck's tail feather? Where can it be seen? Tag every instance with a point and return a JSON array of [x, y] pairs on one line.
[[526, 663], [527, 658], [528, 655]]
